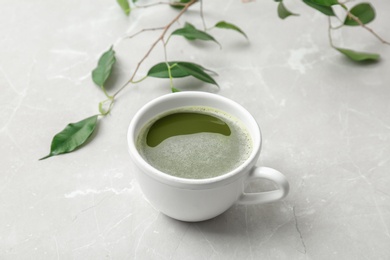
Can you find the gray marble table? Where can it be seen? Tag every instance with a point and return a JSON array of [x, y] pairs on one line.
[[325, 122]]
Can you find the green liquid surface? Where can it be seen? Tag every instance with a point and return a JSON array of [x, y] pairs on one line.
[[195, 143], [184, 123]]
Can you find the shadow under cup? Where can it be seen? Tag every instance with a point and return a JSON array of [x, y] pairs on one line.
[[191, 199]]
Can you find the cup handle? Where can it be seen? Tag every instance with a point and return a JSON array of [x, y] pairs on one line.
[[264, 197]]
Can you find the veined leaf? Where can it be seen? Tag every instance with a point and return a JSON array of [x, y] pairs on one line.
[[364, 11], [180, 69], [124, 4], [191, 33], [359, 56], [327, 10], [101, 73], [72, 137], [283, 12], [230, 26]]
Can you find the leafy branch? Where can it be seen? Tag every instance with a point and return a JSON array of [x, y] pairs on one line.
[[359, 15], [76, 134]]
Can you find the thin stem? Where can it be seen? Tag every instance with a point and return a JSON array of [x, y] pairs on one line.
[[160, 38], [145, 30], [106, 93], [153, 4], [160, 3], [202, 16], [101, 104], [167, 63], [357, 20], [138, 81], [330, 33]]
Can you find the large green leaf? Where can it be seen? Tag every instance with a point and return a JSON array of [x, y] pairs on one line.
[[103, 70], [191, 33], [283, 12], [359, 56], [230, 26], [72, 137], [364, 11], [327, 10], [124, 4], [181, 69]]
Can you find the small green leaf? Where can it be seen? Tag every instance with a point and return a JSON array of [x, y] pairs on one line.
[[197, 71], [181, 69], [283, 12], [124, 4], [72, 137], [327, 10], [364, 11], [191, 33], [359, 56], [179, 4], [230, 26], [160, 70], [101, 73], [174, 90]]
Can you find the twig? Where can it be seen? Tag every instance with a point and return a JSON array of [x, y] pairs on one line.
[[330, 32], [202, 15], [145, 30], [153, 4], [160, 38], [357, 20]]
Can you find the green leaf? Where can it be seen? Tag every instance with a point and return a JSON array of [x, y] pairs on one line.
[[197, 71], [283, 12], [72, 137], [364, 11], [359, 56], [179, 4], [327, 10], [101, 73], [181, 69], [124, 4], [191, 33], [160, 70], [230, 26], [325, 2]]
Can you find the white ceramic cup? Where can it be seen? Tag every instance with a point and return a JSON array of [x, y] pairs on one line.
[[201, 199]]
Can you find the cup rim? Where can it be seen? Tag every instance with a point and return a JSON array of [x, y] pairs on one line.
[[186, 182]]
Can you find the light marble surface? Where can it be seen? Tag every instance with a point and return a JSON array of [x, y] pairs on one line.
[[325, 123]]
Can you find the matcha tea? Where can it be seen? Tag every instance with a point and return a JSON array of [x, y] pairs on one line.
[[195, 142]]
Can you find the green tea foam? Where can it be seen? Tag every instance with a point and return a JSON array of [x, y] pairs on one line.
[[218, 143]]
